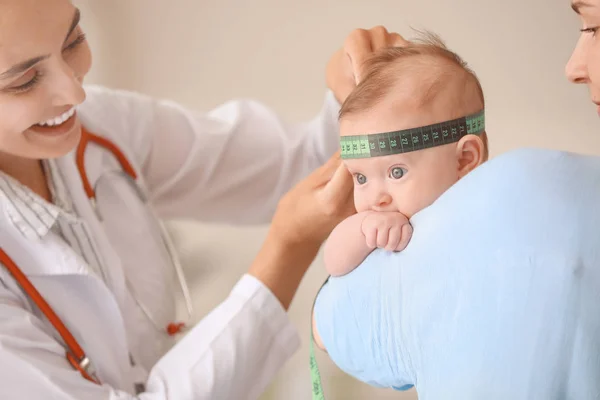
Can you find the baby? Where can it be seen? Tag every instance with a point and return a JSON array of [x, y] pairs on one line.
[[409, 131], [502, 309]]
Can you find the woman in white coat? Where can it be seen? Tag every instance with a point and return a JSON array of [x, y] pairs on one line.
[[87, 279]]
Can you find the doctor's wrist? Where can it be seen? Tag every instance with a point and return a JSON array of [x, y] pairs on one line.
[[281, 264]]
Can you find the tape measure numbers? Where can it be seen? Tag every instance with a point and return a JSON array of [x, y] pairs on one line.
[[315, 375], [413, 139]]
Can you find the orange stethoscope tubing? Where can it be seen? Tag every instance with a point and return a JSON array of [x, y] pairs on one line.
[[74, 353]]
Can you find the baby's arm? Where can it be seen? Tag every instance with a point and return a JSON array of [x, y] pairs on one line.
[[346, 246], [357, 236]]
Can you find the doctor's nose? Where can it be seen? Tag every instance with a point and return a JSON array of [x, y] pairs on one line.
[[68, 88]]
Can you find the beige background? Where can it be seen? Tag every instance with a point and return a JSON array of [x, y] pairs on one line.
[[202, 52]]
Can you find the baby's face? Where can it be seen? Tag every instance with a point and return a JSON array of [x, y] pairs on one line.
[[407, 182]]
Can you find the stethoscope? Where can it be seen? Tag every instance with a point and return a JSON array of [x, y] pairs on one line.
[[74, 353]]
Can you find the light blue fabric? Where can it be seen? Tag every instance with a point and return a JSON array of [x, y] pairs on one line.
[[497, 295]]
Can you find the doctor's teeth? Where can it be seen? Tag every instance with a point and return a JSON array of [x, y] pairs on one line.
[[58, 120]]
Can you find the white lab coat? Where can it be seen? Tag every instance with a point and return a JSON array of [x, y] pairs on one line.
[[231, 165]]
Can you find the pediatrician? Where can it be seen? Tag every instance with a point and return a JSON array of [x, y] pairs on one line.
[[88, 279]]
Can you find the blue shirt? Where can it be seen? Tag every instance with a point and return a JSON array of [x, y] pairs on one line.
[[497, 296]]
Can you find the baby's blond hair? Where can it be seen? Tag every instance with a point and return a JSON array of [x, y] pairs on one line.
[[426, 53]]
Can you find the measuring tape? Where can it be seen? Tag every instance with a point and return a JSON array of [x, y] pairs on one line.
[[413, 139], [315, 376]]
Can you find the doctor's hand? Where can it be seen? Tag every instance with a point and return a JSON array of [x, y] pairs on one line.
[[345, 66], [305, 216]]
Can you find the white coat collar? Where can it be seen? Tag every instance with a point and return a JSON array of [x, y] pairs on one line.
[[30, 232], [32, 215]]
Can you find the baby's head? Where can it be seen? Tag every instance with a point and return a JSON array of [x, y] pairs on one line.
[[410, 87]]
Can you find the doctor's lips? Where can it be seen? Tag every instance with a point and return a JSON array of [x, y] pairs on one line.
[[58, 125], [60, 119]]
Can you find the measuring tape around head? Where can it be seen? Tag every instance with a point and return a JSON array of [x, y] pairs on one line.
[[413, 139], [315, 376]]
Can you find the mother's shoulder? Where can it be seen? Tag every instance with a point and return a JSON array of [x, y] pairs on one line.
[[548, 166], [530, 175], [532, 195]]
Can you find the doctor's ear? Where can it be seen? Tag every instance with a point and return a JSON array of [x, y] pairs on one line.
[[471, 152]]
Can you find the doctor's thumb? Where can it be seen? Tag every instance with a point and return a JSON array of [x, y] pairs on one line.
[[339, 191], [325, 172]]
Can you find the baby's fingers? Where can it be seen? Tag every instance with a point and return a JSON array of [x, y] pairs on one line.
[[406, 232], [382, 237], [393, 239], [370, 237]]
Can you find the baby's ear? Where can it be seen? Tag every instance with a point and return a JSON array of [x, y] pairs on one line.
[[470, 153]]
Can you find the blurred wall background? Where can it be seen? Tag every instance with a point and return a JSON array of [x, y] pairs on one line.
[[204, 52]]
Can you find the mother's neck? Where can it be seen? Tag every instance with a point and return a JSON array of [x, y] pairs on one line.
[[28, 172]]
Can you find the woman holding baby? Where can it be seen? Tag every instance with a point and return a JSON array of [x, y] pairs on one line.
[[495, 291]]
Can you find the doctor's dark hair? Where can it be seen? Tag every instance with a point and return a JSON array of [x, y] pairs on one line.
[[425, 58]]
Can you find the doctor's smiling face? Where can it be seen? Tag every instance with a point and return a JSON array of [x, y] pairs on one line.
[[43, 59]]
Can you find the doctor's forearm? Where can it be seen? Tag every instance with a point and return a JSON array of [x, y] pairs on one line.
[[280, 266]]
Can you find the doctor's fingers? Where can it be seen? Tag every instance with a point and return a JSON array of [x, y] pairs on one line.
[[397, 40], [325, 172], [361, 44], [341, 182], [337, 196], [332, 174]]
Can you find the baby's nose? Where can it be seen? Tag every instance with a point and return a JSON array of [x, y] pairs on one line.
[[382, 201]]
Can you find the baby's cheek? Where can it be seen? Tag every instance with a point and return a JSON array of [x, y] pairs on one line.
[[360, 201], [435, 191]]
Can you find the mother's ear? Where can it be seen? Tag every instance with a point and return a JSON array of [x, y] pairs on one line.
[[471, 152]]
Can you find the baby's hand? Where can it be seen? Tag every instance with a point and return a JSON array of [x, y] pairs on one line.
[[386, 230]]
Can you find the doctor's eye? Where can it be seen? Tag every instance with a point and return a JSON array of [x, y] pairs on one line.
[[397, 172], [30, 80], [75, 43], [360, 179]]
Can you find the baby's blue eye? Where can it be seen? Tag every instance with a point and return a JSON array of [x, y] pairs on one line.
[[397, 173], [361, 179]]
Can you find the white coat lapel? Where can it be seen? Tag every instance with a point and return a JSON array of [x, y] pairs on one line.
[[110, 261]]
